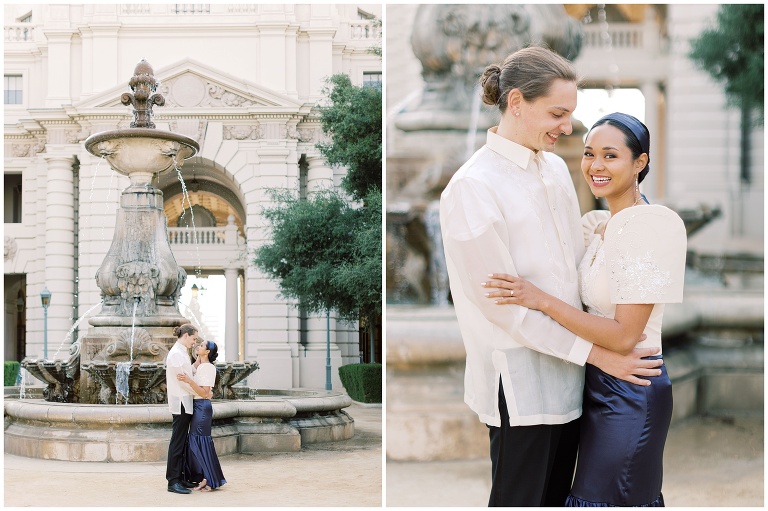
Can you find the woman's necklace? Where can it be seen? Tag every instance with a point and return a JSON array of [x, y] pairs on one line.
[[599, 244]]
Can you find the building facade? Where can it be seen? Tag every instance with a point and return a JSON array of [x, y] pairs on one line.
[[244, 81]]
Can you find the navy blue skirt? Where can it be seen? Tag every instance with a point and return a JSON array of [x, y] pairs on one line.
[[623, 431], [201, 459]]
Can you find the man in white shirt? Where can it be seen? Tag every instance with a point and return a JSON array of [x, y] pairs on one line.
[[512, 209], [180, 396]]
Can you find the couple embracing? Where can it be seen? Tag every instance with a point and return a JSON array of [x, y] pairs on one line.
[[561, 316], [192, 461]]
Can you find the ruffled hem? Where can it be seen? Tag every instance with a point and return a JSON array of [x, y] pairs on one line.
[[590, 221], [202, 460], [572, 501]]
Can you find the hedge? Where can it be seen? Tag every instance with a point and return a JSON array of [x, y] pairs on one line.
[[11, 372], [362, 381]]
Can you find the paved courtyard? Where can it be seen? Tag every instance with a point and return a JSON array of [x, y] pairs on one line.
[[708, 462], [347, 473]]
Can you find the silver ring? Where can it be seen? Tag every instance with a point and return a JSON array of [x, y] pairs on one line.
[[511, 293]]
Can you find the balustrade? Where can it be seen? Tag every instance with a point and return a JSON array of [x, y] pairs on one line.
[[204, 235], [620, 36], [363, 30], [19, 32]]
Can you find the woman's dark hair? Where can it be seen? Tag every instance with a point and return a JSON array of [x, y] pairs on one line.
[[631, 138], [213, 349], [187, 328], [531, 70]]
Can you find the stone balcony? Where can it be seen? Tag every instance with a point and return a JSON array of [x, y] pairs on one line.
[[208, 247]]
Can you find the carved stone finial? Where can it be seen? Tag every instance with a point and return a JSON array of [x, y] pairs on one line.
[[143, 85]]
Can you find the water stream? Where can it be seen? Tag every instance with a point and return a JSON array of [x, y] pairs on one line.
[[185, 195], [21, 382], [123, 369], [74, 326], [473, 122], [187, 307]]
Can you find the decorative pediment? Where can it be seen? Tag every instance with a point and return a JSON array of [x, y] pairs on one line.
[[190, 84]]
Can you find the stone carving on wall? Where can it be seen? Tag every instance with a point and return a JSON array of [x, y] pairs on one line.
[[290, 132], [190, 90], [241, 132], [307, 134], [219, 96], [20, 150], [193, 128], [25, 149], [10, 247]]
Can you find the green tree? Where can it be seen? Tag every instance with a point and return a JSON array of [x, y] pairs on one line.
[[362, 272], [733, 52], [310, 240], [352, 119]]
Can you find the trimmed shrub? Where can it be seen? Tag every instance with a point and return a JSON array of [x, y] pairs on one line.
[[362, 381], [11, 372]]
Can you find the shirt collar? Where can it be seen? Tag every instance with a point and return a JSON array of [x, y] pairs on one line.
[[516, 153]]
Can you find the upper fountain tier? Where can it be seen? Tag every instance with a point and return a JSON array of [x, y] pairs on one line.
[[141, 150]]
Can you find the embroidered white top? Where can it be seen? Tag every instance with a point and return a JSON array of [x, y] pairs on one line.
[[640, 259], [205, 376], [510, 210], [179, 392]]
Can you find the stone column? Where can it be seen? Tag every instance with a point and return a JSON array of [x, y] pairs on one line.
[[231, 325], [653, 184], [59, 66], [319, 175], [272, 57], [105, 47], [271, 323], [321, 32], [59, 246]]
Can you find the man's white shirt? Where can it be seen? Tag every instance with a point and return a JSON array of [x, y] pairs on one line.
[[179, 392], [510, 210]]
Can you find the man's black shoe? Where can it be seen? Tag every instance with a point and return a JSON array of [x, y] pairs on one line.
[[178, 488], [187, 484]]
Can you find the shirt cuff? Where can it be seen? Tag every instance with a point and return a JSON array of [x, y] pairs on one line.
[[580, 351]]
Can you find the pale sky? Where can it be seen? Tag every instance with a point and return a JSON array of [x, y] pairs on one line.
[[592, 104]]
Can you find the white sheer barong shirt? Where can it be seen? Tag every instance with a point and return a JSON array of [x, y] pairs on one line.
[[179, 392], [511, 210]]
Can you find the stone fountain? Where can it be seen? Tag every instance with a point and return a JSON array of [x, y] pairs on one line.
[[107, 401]]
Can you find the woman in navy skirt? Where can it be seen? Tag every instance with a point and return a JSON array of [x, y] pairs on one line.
[[201, 463], [633, 265]]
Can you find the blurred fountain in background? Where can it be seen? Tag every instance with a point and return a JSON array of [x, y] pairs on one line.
[[454, 44]]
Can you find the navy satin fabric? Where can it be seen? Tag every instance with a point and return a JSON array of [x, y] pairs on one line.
[[623, 431], [201, 454]]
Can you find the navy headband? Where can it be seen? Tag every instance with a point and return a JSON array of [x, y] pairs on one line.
[[637, 128]]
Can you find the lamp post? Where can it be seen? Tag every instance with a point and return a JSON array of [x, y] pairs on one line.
[[45, 297], [327, 349]]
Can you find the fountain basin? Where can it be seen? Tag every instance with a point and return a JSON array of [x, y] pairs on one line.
[[142, 150], [265, 422]]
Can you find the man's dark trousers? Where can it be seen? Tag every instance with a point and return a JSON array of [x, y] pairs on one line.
[[177, 446], [532, 465]]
